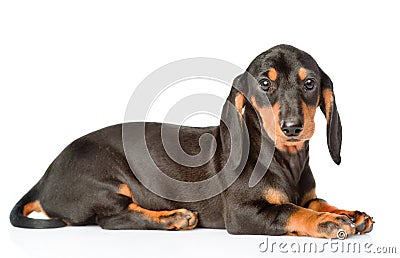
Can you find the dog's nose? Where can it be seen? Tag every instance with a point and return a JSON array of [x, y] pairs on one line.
[[291, 127]]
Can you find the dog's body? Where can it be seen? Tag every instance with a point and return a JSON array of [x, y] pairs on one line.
[[91, 181]]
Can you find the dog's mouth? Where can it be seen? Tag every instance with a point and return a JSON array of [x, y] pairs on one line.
[[289, 141]]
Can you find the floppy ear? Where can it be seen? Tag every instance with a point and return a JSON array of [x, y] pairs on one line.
[[232, 122], [236, 98], [334, 127]]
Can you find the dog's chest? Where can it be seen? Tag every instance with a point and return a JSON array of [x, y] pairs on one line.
[[290, 168]]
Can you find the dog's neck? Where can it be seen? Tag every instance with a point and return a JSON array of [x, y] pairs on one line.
[[292, 160]]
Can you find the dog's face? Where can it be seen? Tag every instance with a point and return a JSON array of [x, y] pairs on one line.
[[295, 86]]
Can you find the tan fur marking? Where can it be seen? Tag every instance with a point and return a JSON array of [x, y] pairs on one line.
[[270, 119], [272, 74], [239, 103], [275, 196], [158, 216], [328, 99], [322, 206], [302, 73], [292, 148], [304, 223], [309, 124], [31, 207], [307, 222], [124, 190], [299, 223], [267, 117], [357, 216], [308, 196], [153, 215]]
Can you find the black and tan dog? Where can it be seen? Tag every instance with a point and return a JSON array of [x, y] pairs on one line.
[[91, 182]]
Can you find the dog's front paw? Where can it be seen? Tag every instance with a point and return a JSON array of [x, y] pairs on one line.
[[364, 222], [335, 226]]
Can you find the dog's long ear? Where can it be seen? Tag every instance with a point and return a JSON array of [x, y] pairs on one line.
[[232, 124], [334, 126]]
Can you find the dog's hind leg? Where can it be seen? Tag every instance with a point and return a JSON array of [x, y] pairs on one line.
[[137, 217]]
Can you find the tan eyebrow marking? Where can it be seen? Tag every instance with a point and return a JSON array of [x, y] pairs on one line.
[[272, 74], [302, 73]]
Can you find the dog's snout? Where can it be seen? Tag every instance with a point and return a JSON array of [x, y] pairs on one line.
[[291, 127]]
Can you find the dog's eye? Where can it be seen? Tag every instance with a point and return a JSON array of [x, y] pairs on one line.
[[265, 85], [309, 84]]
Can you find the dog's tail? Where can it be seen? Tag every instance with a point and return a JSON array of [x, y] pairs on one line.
[[28, 204]]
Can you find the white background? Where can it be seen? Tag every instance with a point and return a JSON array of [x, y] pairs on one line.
[[69, 68]]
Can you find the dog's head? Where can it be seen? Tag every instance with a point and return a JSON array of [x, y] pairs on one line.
[[294, 86]]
